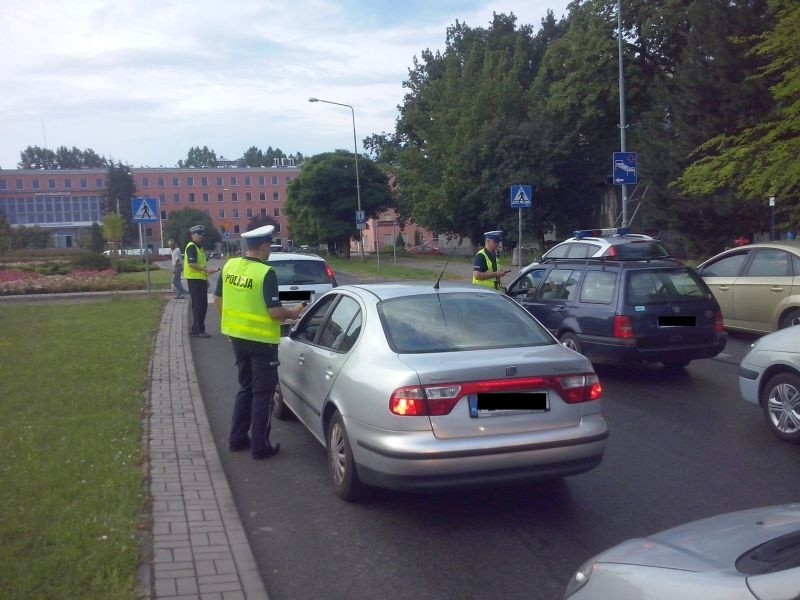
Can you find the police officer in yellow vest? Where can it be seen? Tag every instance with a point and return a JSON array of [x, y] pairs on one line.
[[486, 269], [251, 312], [196, 272]]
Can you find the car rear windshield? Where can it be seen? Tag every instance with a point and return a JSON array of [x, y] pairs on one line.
[[300, 272], [457, 322], [664, 285], [638, 249]]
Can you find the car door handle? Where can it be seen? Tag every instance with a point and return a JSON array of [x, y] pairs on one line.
[[560, 308], [328, 373], [724, 288], [301, 359], [776, 288]]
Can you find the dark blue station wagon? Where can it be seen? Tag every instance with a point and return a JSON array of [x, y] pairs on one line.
[[624, 311]]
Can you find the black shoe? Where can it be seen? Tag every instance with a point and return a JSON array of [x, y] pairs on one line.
[[271, 450], [243, 445]]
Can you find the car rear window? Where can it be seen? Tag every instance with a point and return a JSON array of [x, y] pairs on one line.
[[638, 249], [458, 322], [666, 285], [300, 272]]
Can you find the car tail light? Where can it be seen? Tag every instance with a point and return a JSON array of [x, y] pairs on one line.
[[718, 323], [611, 252], [415, 401], [623, 328], [329, 271]]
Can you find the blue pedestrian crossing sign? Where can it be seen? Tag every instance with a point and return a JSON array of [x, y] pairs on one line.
[[144, 210], [625, 168], [521, 196]]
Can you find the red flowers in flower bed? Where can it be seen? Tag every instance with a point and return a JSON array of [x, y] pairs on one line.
[[25, 282]]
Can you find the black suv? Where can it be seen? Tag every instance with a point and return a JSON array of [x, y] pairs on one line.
[[624, 311]]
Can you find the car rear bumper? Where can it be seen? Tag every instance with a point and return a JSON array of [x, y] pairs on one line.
[[627, 351], [418, 461]]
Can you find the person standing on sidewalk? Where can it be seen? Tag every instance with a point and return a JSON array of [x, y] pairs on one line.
[[177, 269], [196, 272], [486, 269], [251, 313]]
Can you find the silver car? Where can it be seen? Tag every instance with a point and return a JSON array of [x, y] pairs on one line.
[[748, 555], [769, 376], [410, 387]]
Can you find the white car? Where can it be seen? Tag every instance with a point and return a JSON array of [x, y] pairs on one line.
[[301, 277], [769, 376], [617, 242], [747, 555]]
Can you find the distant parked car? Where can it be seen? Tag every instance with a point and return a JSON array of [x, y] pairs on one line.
[[424, 248], [769, 376], [757, 286], [748, 555], [301, 277], [616, 242], [410, 387]]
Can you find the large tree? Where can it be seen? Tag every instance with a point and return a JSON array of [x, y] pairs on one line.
[[199, 157], [120, 188], [322, 200], [179, 222], [35, 157]]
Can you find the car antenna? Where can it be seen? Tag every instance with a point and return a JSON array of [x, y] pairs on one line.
[[438, 279]]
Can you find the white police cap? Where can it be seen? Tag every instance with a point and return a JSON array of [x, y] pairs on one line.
[[262, 232], [197, 229], [493, 235]]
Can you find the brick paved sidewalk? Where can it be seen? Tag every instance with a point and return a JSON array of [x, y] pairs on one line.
[[199, 546]]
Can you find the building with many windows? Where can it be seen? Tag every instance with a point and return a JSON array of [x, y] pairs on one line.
[[69, 201]]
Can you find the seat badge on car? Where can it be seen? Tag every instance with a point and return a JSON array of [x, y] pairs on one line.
[[676, 309]]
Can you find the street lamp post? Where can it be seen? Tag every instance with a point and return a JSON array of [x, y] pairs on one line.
[[355, 154], [772, 218]]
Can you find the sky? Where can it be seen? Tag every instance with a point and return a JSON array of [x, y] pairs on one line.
[[142, 81]]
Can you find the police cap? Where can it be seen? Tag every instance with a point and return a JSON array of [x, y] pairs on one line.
[[259, 235], [197, 229], [493, 235]]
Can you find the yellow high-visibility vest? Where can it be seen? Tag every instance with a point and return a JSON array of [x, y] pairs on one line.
[[190, 273], [493, 284], [244, 312]]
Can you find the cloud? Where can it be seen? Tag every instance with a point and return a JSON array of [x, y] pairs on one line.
[[143, 81]]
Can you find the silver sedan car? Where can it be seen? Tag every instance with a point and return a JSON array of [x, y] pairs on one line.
[[769, 377], [410, 387], [748, 555]]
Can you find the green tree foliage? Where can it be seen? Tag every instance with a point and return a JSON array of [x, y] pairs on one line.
[[199, 157], [5, 235], [120, 188], [321, 201], [179, 222], [761, 157], [97, 242], [31, 237], [35, 157]]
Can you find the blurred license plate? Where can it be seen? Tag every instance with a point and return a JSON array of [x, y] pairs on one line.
[[507, 403], [676, 321], [295, 296]]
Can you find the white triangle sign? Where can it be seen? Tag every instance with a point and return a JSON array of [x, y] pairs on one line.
[[521, 198], [145, 212]]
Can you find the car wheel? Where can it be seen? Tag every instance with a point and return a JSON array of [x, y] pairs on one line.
[[279, 408], [571, 341], [791, 318], [780, 400], [674, 365], [342, 467]]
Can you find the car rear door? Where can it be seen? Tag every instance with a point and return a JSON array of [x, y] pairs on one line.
[[765, 282], [720, 276]]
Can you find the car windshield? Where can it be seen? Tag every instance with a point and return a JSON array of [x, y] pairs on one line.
[[299, 272], [457, 322], [666, 285], [639, 249]]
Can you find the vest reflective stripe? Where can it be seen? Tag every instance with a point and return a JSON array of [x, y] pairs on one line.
[[190, 273], [244, 313], [492, 284]]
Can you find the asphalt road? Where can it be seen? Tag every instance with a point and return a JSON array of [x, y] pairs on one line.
[[683, 446]]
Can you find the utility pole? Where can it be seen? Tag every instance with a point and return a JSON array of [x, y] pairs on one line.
[[622, 124]]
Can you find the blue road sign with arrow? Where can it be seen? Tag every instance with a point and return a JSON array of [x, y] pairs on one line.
[[625, 167], [143, 210], [521, 196]]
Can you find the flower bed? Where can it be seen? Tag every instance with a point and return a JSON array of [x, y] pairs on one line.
[[15, 282]]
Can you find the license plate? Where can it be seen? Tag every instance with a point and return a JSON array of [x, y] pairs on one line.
[[507, 403], [676, 321], [297, 296]]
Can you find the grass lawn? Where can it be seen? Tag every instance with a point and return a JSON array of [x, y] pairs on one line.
[[160, 279], [368, 268], [71, 463]]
